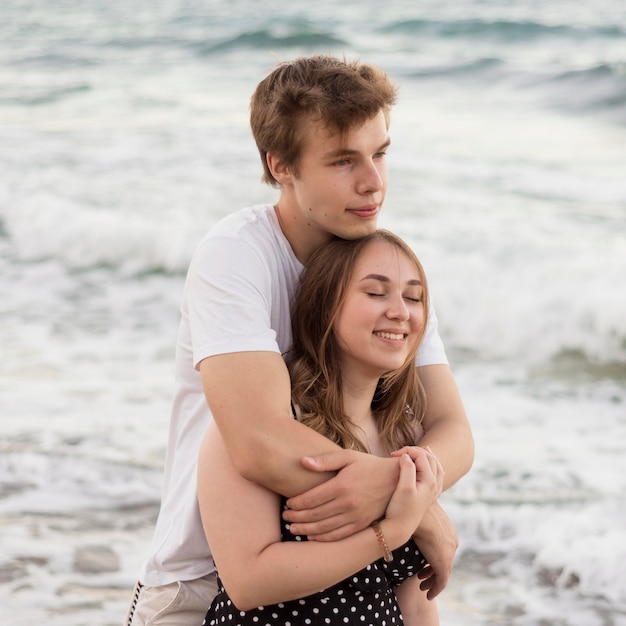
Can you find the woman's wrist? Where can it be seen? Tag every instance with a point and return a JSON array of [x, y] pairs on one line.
[[395, 533], [382, 542]]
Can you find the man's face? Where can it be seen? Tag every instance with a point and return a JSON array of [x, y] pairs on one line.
[[340, 185]]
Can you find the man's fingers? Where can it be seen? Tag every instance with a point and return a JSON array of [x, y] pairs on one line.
[[311, 501], [309, 508], [329, 529], [436, 589], [335, 535], [329, 462], [431, 583], [326, 492]]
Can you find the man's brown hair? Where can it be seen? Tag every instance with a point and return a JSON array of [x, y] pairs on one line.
[[338, 93]]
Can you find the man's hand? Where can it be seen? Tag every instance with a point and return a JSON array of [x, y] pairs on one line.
[[437, 540], [348, 502]]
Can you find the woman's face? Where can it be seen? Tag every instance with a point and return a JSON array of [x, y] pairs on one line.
[[380, 321]]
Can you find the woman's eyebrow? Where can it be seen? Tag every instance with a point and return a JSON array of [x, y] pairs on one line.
[[379, 277], [385, 279]]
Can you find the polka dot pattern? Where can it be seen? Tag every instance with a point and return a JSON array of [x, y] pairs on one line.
[[365, 599]]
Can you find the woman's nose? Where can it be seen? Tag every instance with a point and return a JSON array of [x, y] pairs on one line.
[[398, 308]]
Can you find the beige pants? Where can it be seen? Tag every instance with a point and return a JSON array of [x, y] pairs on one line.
[[177, 604]]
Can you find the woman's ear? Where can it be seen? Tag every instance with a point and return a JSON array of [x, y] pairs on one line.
[[280, 171]]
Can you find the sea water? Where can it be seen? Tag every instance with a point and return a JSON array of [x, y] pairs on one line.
[[124, 136]]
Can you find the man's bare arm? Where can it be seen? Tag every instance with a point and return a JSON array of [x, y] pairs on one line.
[[249, 395], [447, 429]]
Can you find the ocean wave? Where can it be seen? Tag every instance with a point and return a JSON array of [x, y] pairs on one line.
[[146, 41], [67, 58], [572, 548], [41, 95], [473, 68], [499, 29], [62, 482], [579, 367], [600, 87], [571, 341], [263, 39], [85, 239]]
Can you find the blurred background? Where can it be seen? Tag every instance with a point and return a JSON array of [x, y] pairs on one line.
[[124, 136]]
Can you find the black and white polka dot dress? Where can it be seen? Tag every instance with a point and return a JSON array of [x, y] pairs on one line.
[[364, 599]]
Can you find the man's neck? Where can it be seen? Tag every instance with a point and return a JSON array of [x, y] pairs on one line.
[[302, 238]]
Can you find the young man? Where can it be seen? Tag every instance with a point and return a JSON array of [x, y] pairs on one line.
[[321, 126]]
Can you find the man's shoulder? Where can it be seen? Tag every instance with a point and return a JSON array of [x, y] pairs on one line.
[[252, 220], [251, 235]]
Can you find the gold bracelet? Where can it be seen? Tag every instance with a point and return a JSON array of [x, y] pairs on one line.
[[381, 541]]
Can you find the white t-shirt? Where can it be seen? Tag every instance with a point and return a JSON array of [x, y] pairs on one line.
[[240, 283]]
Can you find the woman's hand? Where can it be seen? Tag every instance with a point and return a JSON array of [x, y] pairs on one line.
[[416, 453], [419, 485], [437, 540]]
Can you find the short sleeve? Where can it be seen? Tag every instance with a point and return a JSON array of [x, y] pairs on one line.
[[431, 351], [228, 299]]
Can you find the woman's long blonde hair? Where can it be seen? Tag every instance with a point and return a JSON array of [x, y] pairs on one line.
[[314, 360]]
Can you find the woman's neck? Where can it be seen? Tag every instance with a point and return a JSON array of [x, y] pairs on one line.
[[357, 405]]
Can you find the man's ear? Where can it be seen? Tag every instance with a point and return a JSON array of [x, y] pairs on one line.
[[280, 171]]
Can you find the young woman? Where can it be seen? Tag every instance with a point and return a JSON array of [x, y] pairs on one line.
[[358, 318]]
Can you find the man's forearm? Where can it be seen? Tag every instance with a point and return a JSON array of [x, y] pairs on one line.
[[437, 540], [447, 429], [274, 459], [453, 444], [249, 395]]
